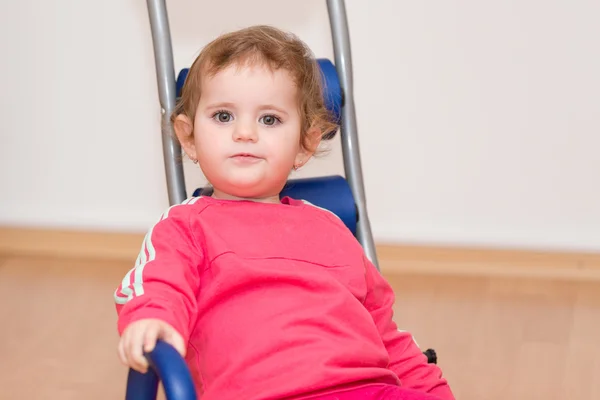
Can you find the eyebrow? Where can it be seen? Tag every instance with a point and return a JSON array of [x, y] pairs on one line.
[[220, 105], [274, 107]]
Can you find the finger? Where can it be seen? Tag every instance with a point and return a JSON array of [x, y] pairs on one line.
[[176, 340], [134, 349], [150, 337], [121, 352], [127, 345]]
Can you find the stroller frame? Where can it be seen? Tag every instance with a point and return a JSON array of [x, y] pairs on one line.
[[165, 74], [166, 364]]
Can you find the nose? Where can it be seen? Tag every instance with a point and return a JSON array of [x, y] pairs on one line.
[[245, 131]]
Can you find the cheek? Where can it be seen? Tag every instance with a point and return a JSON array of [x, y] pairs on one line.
[[286, 142], [207, 141]]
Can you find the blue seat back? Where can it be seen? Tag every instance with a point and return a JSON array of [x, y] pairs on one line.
[[329, 192]]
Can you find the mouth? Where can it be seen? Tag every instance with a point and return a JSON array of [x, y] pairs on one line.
[[249, 155], [245, 157]]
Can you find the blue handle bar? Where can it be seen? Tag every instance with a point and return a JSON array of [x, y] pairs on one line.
[[168, 366]]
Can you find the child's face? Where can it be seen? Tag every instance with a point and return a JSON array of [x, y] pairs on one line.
[[247, 131]]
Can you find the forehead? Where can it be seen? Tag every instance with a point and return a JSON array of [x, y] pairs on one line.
[[250, 83]]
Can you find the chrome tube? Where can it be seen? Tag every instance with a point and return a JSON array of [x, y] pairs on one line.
[[349, 131], [165, 75]]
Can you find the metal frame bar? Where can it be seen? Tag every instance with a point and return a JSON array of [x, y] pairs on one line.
[[165, 75], [165, 72], [338, 22]]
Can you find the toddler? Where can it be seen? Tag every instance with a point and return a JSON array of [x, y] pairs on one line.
[[265, 297]]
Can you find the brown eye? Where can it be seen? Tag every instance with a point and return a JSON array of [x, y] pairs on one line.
[[269, 119], [223, 116]]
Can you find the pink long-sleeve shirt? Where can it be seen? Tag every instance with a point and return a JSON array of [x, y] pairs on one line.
[[273, 300]]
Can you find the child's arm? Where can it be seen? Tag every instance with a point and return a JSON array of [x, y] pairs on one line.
[[406, 359], [165, 279]]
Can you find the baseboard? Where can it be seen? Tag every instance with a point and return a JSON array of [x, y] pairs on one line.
[[71, 244], [393, 258], [473, 261]]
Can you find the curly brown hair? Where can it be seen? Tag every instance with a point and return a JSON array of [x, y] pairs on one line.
[[275, 48]]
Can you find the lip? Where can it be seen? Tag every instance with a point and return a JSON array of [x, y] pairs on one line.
[[246, 158]]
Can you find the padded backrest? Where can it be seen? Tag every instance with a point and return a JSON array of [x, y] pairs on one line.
[[329, 192]]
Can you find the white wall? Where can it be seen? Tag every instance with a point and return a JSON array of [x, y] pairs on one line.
[[478, 121]]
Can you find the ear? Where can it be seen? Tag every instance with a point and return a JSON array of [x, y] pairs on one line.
[[314, 139], [184, 129]]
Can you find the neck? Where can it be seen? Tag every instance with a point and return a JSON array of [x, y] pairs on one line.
[[217, 194]]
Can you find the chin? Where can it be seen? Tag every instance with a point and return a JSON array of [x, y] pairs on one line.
[[244, 188], [249, 185]]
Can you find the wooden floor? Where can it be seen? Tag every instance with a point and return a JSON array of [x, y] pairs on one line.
[[497, 338]]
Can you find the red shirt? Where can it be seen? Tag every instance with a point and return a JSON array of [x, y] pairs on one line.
[[274, 301]]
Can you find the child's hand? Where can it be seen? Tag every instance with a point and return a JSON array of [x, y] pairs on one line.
[[141, 336]]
